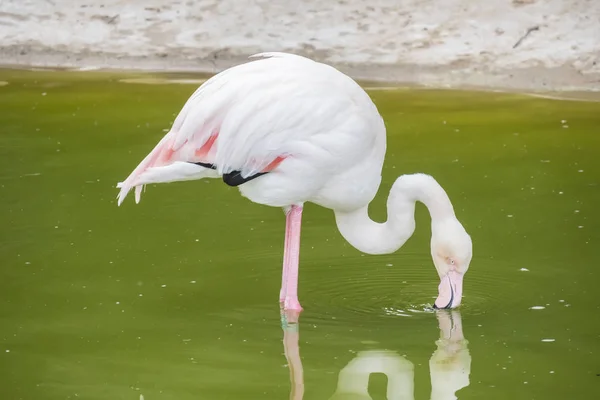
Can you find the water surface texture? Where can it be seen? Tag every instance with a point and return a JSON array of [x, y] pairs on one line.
[[177, 297]]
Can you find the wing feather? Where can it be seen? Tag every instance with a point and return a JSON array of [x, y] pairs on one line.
[[278, 104]]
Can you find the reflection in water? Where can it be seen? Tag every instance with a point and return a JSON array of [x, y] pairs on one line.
[[353, 381], [291, 335], [449, 365]]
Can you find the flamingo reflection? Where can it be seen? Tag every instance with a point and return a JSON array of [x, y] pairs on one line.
[[291, 335], [449, 365]]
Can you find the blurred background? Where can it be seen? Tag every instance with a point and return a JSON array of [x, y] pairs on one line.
[[509, 43]]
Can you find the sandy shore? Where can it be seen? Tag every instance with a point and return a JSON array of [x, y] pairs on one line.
[[532, 45]]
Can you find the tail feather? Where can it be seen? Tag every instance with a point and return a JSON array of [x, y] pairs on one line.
[[154, 158], [176, 172]]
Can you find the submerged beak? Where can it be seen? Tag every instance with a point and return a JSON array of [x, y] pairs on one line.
[[450, 291]]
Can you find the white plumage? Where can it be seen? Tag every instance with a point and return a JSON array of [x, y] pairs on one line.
[[277, 105], [319, 138]]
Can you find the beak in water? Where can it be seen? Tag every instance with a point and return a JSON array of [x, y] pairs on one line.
[[450, 291]]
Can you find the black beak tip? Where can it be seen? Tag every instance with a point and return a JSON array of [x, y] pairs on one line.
[[448, 306]]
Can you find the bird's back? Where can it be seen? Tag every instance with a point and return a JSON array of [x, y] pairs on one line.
[[280, 105]]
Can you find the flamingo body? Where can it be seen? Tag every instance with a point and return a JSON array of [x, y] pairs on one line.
[[320, 128]]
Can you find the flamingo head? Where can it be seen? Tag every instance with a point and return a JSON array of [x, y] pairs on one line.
[[451, 250]]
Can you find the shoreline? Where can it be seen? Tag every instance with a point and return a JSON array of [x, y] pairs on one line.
[[564, 83], [515, 45]]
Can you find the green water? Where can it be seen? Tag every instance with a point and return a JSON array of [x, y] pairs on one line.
[[176, 298]]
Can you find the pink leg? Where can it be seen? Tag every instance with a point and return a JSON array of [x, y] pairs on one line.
[[291, 256], [286, 257]]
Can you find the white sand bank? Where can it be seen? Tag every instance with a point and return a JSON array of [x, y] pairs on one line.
[[430, 42]]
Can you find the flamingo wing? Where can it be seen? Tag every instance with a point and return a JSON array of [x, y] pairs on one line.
[[249, 118]]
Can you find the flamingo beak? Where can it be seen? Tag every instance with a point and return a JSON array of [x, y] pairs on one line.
[[450, 291]]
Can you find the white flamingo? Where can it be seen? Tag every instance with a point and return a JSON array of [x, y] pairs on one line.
[[288, 130]]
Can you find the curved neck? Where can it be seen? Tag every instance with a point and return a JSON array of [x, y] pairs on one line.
[[373, 237]]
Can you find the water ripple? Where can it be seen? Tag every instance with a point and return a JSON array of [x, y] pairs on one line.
[[363, 287]]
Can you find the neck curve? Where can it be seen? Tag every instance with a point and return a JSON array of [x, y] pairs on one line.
[[373, 237]]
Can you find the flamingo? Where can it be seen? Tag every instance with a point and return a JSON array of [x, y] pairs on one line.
[[287, 130]]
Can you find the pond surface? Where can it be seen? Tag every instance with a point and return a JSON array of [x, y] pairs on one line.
[[177, 297]]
